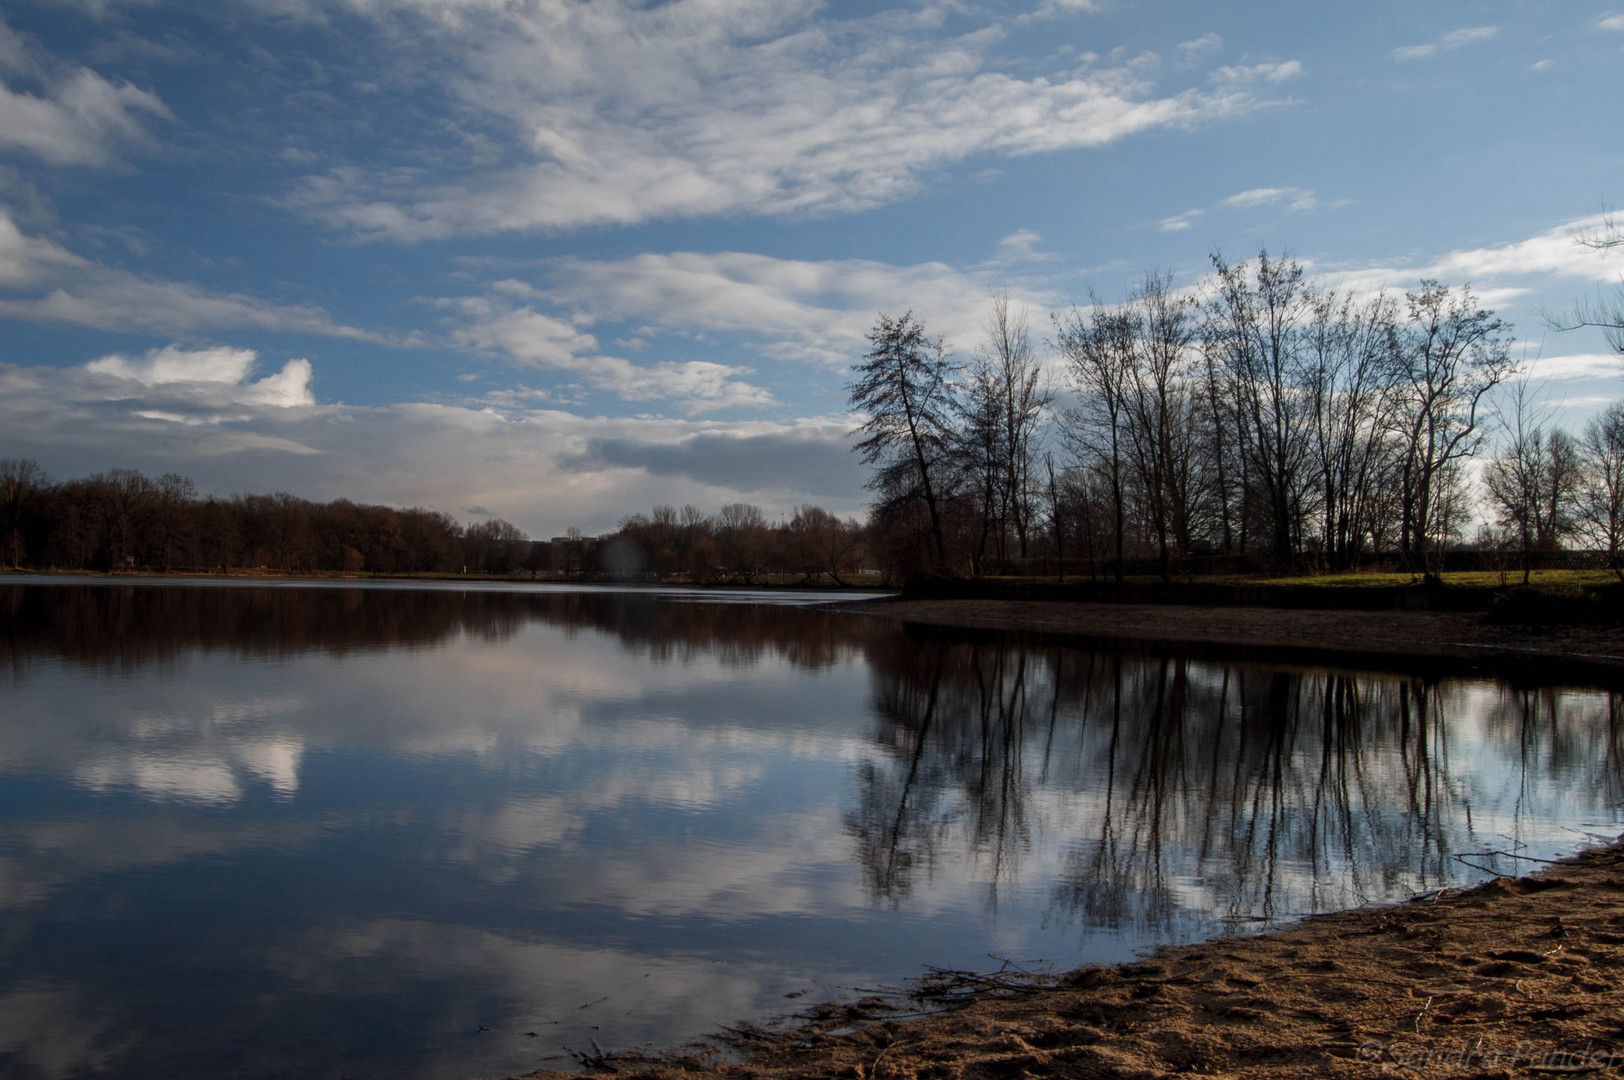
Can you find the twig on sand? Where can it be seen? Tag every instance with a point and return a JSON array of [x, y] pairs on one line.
[[1479, 866], [876, 1063], [944, 982], [1508, 855], [1019, 966]]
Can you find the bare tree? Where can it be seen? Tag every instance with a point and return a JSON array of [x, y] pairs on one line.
[[1454, 353], [1162, 408], [980, 456], [1025, 399], [1601, 501], [1220, 424], [174, 526], [1533, 483], [825, 544], [1099, 351], [1256, 319], [902, 386], [1353, 348], [1056, 522], [740, 535]]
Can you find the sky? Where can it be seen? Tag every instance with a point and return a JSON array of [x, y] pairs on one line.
[[558, 261]]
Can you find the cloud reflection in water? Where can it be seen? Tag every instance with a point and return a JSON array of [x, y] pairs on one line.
[[345, 828]]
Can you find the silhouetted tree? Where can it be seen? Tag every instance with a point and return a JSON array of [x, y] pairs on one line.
[[902, 387]]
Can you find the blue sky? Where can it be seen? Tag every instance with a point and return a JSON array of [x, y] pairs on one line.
[[557, 261]]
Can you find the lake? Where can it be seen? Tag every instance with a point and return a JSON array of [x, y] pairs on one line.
[[331, 830]]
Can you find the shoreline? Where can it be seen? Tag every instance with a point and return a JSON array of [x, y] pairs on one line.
[[1519, 976], [1418, 642], [426, 576]]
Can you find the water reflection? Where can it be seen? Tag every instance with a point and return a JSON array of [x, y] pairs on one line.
[[339, 830], [1193, 791]]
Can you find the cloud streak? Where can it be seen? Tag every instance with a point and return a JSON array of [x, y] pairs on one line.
[[528, 338], [76, 117], [1293, 197], [1469, 35], [816, 312], [42, 281], [614, 114]]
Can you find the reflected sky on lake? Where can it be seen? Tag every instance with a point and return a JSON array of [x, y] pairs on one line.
[[335, 831]]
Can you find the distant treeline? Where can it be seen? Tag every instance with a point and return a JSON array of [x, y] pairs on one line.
[[738, 544], [123, 519]]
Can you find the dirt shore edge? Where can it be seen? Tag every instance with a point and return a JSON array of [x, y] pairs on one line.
[[1520, 976], [1431, 643]]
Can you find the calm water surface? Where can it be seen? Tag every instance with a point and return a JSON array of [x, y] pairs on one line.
[[293, 831]]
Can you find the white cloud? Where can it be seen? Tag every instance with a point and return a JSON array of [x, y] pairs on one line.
[[173, 364], [1295, 198], [1610, 22], [1240, 75], [1198, 48], [42, 281], [18, 56], [1584, 402], [77, 118], [1180, 222], [1453, 40], [286, 389], [1551, 252], [532, 339], [1051, 9], [616, 113], [1019, 246], [197, 386], [807, 311], [700, 384], [31, 260], [1578, 366], [1469, 35], [528, 337]]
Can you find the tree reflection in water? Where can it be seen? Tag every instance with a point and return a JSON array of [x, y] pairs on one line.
[[306, 817], [1152, 793], [1159, 793]]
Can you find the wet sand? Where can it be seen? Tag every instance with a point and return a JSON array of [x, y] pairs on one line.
[[1518, 977]]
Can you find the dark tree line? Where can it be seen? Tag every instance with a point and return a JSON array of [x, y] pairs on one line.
[[1547, 487], [122, 519], [737, 544], [1265, 415]]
